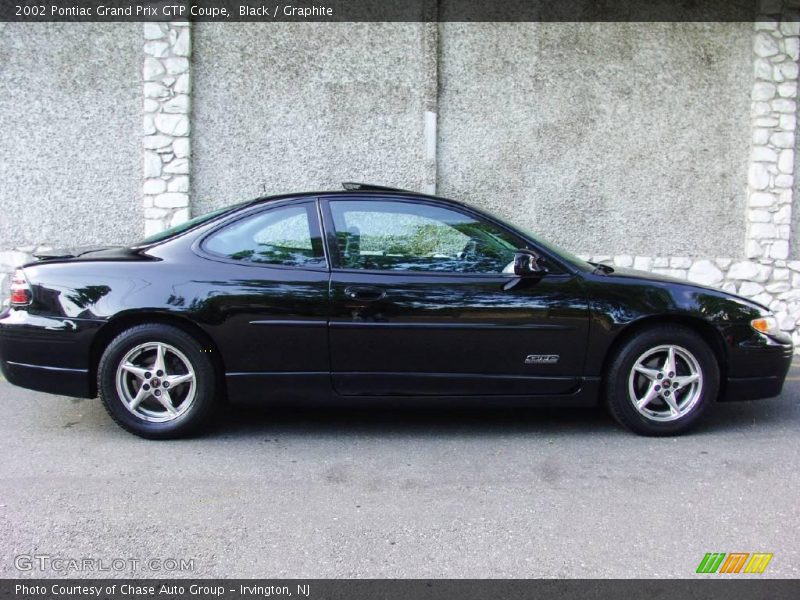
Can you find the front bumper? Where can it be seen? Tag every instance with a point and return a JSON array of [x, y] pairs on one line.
[[47, 354], [757, 368]]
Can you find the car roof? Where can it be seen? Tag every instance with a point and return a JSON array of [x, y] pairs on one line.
[[362, 193]]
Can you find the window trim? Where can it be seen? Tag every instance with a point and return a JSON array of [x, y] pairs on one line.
[[315, 221], [332, 249]]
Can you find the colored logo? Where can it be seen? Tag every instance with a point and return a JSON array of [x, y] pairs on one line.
[[735, 562]]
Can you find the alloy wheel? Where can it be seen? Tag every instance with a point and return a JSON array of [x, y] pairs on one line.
[[156, 382], [665, 383]]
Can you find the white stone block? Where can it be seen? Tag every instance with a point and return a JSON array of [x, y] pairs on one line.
[[176, 65], [759, 216], [179, 104], [153, 142], [148, 124], [780, 275], [155, 213], [183, 84], [172, 124], [778, 287], [782, 139], [152, 164], [758, 176], [761, 109], [743, 270], [762, 298], [181, 147], [783, 216], [784, 181], [788, 70], [183, 43], [763, 69], [705, 272], [750, 289], [150, 105], [786, 161], [787, 89], [153, 69], [794, 265], [172, 200], [791, 46], [753, 249], [784, 105], [156, 48], [660, 262], [154, 186], [153, 31], [729, 287], [154, 89], [762, 231], [765, 45], [179, 166], [761, 136], [787, 122], [762, 199], [763, 91], [179, 216], [623, 261], [789, 28], [152, 227], [764, 154], [779, 249], [179, 183], [680, 262], [642, 263]]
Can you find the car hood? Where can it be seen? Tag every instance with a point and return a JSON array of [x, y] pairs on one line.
[[624, 273]]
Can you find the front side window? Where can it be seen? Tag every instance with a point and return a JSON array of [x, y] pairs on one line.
[[391, 235], [285, 236]]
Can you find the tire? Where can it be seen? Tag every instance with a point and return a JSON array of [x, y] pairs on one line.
[[635, 390], [138, 395]]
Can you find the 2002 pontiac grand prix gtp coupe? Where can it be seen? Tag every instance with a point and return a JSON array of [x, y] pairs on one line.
[[374, 294]]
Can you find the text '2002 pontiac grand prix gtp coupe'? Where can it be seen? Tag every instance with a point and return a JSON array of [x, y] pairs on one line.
[[375, 294]]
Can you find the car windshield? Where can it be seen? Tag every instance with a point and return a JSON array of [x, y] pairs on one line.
[[186, 226], [565, 255]]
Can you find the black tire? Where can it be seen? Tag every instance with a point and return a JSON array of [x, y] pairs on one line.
[[621, 378], [184, 355]]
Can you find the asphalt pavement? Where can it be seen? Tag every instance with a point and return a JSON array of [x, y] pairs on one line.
[[400, 494]]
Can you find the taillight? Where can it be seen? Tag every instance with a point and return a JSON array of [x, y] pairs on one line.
[[20, 290]]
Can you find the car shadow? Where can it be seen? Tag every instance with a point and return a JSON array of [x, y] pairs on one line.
[[257, 421]]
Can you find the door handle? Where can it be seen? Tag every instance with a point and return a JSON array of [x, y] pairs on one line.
[[364, 293]]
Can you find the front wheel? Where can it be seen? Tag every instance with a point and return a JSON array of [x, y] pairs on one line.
[[156, 381], [661, 381]]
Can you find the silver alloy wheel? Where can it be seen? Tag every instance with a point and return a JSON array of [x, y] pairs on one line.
[[156, 382], [665, 383]]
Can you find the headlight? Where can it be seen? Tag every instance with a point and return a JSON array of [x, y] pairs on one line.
[[767, 325]]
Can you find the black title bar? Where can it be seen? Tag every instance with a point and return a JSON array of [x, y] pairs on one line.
[[397, 589], [379, 10]]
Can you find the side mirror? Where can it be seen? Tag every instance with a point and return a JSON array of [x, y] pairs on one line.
[[526, 264]]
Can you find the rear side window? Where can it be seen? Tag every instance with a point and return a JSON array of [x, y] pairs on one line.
[[285, 236]]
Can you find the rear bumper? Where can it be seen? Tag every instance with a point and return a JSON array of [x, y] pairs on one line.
[[47, 354]]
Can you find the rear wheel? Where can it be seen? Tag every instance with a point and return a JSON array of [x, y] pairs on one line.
[[662, 380], [156, 381]]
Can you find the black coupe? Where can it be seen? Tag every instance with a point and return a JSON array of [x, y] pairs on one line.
[[375, 294]]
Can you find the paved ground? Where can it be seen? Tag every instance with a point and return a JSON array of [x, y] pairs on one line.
[[410, 494]]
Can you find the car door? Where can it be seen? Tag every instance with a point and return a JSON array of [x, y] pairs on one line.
[[268, 302], [424, 302]]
